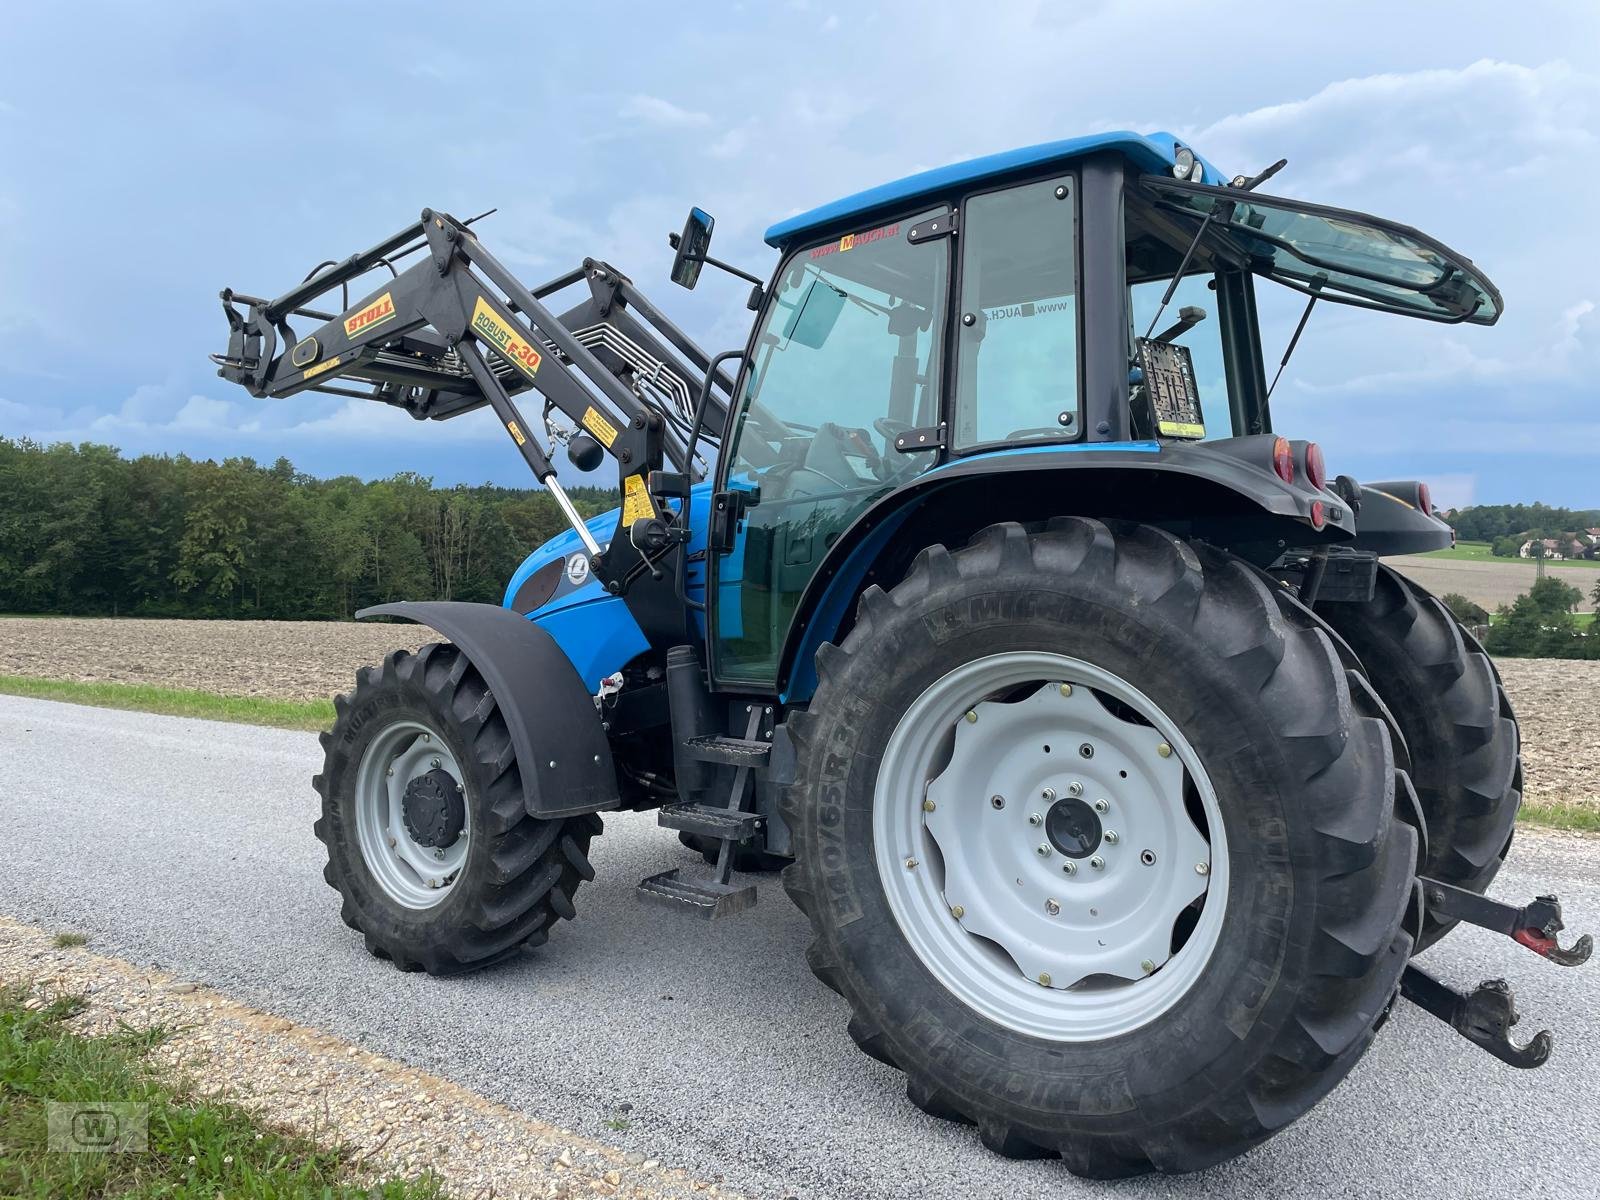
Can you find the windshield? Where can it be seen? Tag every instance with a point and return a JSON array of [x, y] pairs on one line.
[[1346, 257]]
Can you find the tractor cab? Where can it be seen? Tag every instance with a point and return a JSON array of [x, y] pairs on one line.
[[1093, 297]]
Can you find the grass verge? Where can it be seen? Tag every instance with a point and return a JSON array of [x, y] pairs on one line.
[[176, 702], [197, 1149], [1560, 814]]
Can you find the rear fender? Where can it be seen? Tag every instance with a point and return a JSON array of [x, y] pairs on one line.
[[560, 744], [1391, 521], [1222, 491]]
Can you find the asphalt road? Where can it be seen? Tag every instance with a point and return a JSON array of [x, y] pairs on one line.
[[188, 844]]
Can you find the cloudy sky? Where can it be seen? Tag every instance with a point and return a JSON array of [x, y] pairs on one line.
[[156, 152]]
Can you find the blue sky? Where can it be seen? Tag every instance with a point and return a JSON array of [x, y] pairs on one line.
[[155, 152]]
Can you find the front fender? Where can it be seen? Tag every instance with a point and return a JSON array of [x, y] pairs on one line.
[[556, 734]]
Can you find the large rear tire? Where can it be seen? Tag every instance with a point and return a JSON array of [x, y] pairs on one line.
[[1182, 667], [1449, 702], [430, 846]]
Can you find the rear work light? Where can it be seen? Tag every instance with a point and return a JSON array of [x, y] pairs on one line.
[[1283, 459], [1424, 499], [1316, 469]]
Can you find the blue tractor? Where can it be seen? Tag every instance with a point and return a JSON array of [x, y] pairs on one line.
[[1118, 777]]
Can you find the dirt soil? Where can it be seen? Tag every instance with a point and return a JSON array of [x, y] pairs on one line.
[[1555, 700], [284, 660]]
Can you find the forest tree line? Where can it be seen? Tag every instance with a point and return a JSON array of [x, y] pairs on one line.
[[85, 531], [1492, 522]]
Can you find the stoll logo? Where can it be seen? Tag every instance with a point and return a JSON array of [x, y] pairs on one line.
[[116, 1128], [376, 313]]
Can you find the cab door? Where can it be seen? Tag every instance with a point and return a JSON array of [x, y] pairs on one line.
[[846, 357]]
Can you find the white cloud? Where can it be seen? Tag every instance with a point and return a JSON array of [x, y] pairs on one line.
[[653, 110]]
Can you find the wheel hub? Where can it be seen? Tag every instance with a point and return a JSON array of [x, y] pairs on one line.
[[1073, 828], [1050, 845], [434, 809]]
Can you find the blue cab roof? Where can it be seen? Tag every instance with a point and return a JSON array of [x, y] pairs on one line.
[[1148, 151]]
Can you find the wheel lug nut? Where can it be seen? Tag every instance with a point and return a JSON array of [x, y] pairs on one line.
[[1074, 788], [1148, 967], [972, 717], [957, 911], [1070, 867], [427, 737], [1164, 750], [1049, 795], [1201, 868], [1101, 806], [1043, 850], [1111, 837], [997, 802], [1051, 907], [1044, 980], [1035, 819], [433, 762], [1098, 863], [928, 806], [1066, 689]]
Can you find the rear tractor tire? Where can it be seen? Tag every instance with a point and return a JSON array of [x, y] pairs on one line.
[[1100, 847], [1449, 703], [430, 846]]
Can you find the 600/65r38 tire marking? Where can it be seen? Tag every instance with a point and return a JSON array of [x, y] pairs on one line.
[[503, 878], [1310, 946]]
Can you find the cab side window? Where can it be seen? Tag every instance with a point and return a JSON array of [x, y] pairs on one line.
[[1017, 348]]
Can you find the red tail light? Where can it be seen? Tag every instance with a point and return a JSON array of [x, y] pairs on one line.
[[1319, 515], [1283, 459], [1316, 470], [1424, 499]]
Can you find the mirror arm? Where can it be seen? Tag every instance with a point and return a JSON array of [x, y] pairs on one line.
[[728, 267]]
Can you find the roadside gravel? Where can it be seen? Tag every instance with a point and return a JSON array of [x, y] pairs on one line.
[[391, 1118]]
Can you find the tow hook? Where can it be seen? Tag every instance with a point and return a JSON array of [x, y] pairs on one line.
[[1485, 1016], [1534, 925]]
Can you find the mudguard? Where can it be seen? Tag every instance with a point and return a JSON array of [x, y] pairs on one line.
[[560, 745], [1392, 521]]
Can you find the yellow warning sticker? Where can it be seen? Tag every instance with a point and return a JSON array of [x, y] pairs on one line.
[[1180, 429], [600, 427], [516, 433], [321, 367], [500, 334], [636, 504]]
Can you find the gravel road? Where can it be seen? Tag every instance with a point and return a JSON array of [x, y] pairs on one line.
[[188, 844]]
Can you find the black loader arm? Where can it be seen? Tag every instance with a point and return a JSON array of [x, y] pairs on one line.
[[456, 331]]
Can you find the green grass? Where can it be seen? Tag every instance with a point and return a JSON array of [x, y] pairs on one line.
[[65, 941], [176, 702], [1483, 552], [1560, 814], [198, 1149]]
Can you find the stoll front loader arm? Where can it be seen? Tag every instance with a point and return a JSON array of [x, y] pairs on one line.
[[456, 331]]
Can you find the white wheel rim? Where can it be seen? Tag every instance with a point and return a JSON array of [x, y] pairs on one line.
[[410, 873], [998, 921]]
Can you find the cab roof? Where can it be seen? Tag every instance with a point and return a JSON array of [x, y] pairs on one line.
[[1146, 151]]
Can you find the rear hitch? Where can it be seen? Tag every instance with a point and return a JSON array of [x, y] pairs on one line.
[[1534, 925], [1484, 1018]]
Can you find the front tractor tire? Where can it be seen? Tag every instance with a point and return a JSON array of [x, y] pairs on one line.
[[1451, 707], [430, 847], [1100, 847]]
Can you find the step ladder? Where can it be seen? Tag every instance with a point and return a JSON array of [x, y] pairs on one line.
[[714, 896]]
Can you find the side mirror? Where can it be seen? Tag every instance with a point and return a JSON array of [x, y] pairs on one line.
[[691, 246]]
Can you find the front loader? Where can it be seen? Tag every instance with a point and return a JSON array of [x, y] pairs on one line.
[[1119, 778]]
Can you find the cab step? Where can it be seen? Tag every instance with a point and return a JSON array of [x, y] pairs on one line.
[[730, 751], [705, 898], [711, 820]]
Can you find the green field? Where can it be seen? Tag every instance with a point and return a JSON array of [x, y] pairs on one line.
[[1483, 552]]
